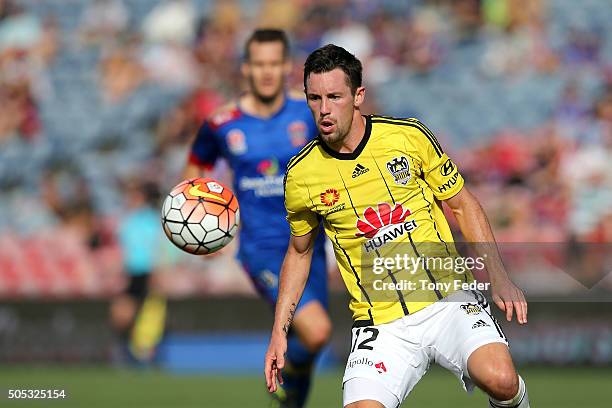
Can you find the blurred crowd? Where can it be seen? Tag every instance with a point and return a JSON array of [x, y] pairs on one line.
[[97, 93]]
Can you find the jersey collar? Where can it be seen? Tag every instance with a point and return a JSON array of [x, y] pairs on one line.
[[274, 115], [355, 153]]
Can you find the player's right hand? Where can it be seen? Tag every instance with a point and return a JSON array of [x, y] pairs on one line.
[[275, 361], [508, 297]]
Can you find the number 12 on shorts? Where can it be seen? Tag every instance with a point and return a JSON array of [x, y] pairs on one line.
[[368, 335]]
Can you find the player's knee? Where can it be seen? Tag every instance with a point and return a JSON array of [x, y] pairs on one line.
[[318, 337], [365, 404], [502, 384]]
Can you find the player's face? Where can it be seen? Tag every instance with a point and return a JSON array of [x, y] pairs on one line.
[[266, 69], [332, 104]]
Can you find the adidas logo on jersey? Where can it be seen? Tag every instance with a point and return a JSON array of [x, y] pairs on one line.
[[480, 323], [359, 170]]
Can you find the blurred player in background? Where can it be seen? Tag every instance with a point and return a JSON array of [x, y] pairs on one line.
[[396, 335], [139, 315], [257, 135]]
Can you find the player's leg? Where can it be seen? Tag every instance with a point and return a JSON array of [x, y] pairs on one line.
[[124, 307], [123, 311], [385, 363], [470, 343], [362, 389], [490, 367], [148, 328], [365, 404], [312, 326]]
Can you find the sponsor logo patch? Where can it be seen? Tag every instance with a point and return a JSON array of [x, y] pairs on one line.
[[266, 186], [297, 133], [449, 184], [268, 167], [334, 209], [380, 367], [330, 197], [447, 168], [384, 224], [236, 142], [360, 361]]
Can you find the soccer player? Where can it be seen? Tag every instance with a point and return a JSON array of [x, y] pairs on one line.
[[377, 183], [258, 135]]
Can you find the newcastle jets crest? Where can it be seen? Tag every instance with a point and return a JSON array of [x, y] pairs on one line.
[[399, 169]]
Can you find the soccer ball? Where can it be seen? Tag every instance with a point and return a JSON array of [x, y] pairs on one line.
[[200, 216]]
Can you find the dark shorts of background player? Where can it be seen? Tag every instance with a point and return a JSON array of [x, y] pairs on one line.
[[138, 286], [264, 271]]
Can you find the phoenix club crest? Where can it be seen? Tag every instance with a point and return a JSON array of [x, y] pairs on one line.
[[399, 169]]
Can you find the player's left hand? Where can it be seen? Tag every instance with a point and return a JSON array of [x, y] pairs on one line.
[[275, 361], [508, 297]]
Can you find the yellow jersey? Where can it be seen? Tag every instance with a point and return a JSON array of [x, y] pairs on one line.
[[381, 201]]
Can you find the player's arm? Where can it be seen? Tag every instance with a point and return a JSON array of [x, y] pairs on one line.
[[475, 227], [193, 170], [293, 276], [304, 225], [203, 153], [447, 184]]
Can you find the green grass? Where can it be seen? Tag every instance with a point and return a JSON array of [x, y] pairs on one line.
[[105, 387]]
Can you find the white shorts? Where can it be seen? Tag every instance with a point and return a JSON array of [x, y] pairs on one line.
[[395, 356]]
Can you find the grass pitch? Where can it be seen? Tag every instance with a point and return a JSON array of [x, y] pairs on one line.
[[106, 387]]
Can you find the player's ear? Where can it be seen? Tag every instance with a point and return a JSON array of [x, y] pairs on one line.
[[359, 96], [287, 66], [245, 69]]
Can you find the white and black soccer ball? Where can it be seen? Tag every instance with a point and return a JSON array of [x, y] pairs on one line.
[[200, 216]]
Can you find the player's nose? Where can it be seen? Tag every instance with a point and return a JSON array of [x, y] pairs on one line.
[[325, 106]]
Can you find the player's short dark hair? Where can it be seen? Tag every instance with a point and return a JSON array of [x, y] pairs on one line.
[[267, 35], [330, 57]]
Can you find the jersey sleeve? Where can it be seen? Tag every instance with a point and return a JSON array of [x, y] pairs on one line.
[[205, 148], [300, 217], [439, 171]]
